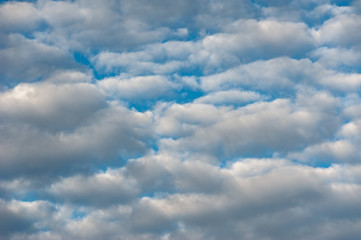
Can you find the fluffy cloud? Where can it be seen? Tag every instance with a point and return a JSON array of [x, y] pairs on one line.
[[337, 57], [29, 60], [50, 106], [302, 197], [144, 87], [19, 16], [340, 31], [256, 129], [268, 38], [281, 76], [54, 127], [203, 119], [97, 189], [229, 97]]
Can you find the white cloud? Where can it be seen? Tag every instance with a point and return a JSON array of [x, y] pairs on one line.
[[143, 87], [336, 57], [248, 126], [19, 16], [110, 134], [281, 76], [256, 129], [302, 197], [229, 97], [97, 190], [276, 74], [264, 39], [49, 106], [340, 31], [86, 21], [26, 59]]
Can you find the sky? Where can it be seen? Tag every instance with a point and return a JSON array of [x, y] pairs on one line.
[[176, 120]]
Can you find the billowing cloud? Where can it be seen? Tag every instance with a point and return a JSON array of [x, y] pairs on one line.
[[256, 129], [29, 60], [140, 87], [19, 16], [47, 126]]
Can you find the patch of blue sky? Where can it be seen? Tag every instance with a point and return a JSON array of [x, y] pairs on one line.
[[182, 95], [28, 196], [78, 214], [342, 2], [314, 162]]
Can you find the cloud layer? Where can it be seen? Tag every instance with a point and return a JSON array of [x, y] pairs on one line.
[[168, 120]]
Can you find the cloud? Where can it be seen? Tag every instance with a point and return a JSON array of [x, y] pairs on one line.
[[299, 196], [229, 97], [255, 129], [267, 38], [143, 87], [277, 73], [281, 76], [19, 217], [205, 119], [102, 138], [86, 21], [337, 57], [50, 106], [339, 31], [19, 16], [214, 52], [97, 190], [27, 60], [161, 58]]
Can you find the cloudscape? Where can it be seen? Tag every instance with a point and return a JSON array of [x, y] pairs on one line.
[[189, 119]]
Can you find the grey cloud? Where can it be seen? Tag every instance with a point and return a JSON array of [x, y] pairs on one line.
[[311, 12], [343, 149], [142, 87], [262, 39], [69, 76], [86, 21], [161, 58], [129, 24], [12, 222], [239, 41], [194, 211], [181, 120], [227, 81], [110, 187], [337, 57], [165, 173], [49, 106], [304, 199], [233, 97], [20, 217], [282, 76], [19, 16], [340, 31], [328, 152], [26, 60], [111, 133], [265, 75], [251, 130]]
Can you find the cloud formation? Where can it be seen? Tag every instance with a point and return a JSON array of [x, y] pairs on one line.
[[203, 119]]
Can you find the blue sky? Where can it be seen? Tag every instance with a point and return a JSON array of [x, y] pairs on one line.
[[159, 119]]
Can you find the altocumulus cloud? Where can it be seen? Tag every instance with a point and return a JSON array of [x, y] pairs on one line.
[[205, 119]]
